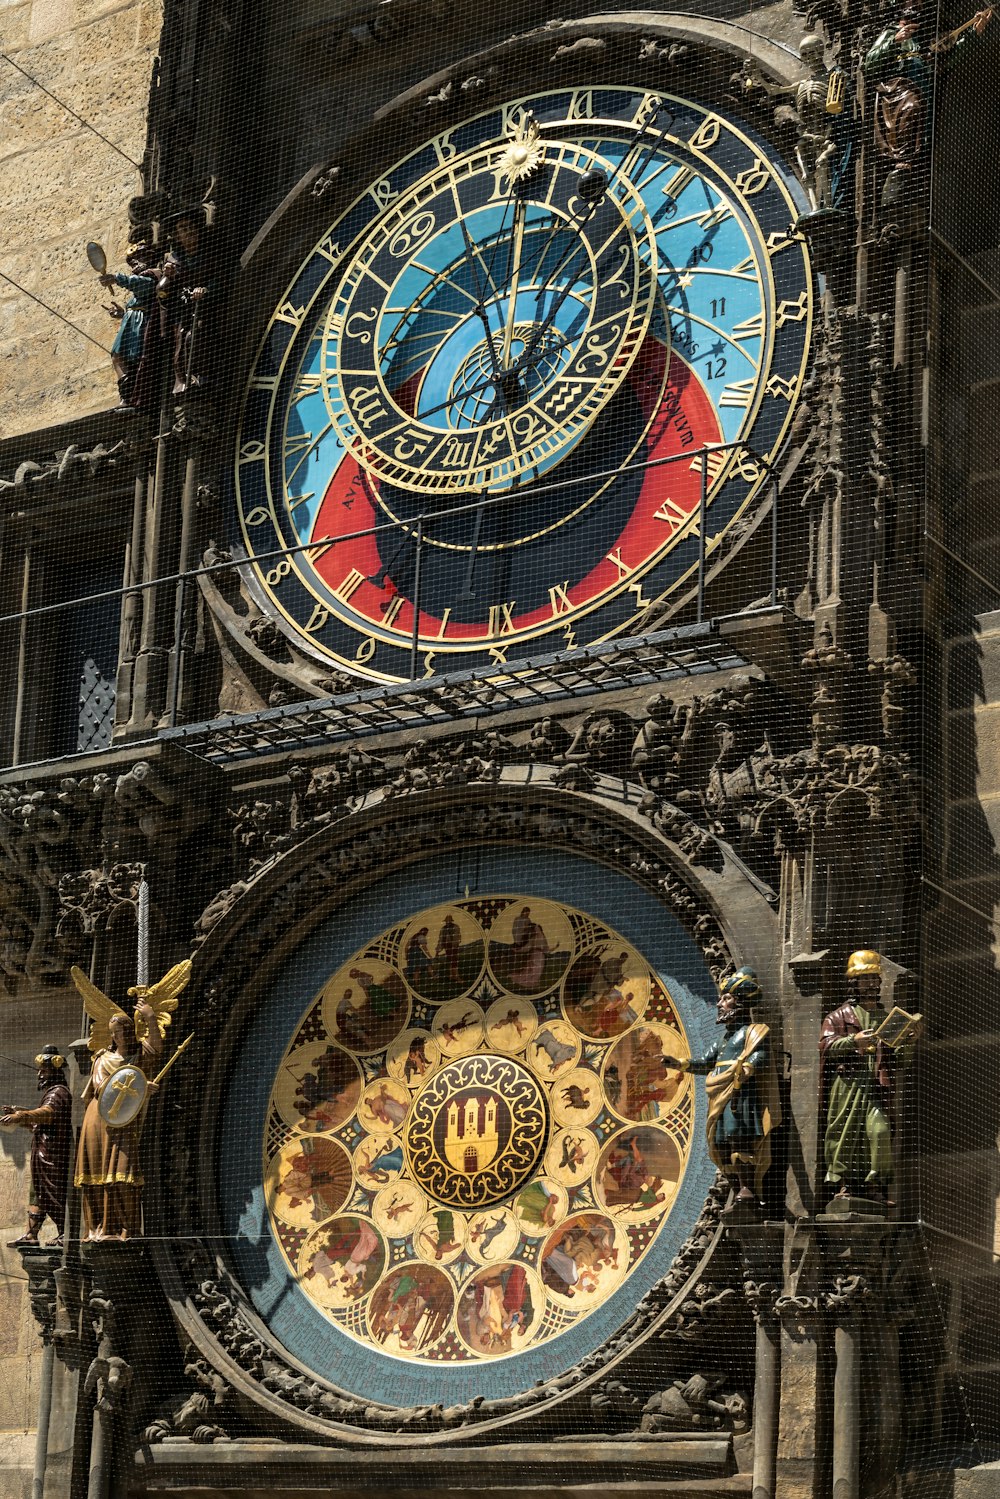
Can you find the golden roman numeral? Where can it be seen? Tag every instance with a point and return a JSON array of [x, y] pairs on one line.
[[672, 514], [350, 585], [559, 598], [751, 327], [392, 610], [739, 393], [297, 444], [502, 619]]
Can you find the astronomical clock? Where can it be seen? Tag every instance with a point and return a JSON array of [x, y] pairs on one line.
[[509, 388], [479, 422]]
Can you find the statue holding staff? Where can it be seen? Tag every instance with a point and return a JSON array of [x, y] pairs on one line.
[[108, 1167]]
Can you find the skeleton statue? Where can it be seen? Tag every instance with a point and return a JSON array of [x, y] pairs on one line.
[[817, 101]]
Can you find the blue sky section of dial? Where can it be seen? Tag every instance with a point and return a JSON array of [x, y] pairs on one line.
[[709, 281]]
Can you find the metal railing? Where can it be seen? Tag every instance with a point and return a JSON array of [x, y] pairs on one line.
[[417, 527]]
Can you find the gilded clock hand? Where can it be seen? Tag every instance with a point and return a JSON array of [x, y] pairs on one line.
[[484, 317], [545, 325], [517, 245], [594, 184]]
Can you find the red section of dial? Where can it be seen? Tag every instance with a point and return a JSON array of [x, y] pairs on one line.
[[684, 422]]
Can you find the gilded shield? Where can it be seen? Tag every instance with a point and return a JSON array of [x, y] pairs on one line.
[[122, 1097]]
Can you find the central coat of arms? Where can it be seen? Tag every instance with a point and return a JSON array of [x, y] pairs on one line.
[[477, 1130]]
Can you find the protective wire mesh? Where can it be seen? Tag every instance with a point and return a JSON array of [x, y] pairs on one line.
[[543, 562]]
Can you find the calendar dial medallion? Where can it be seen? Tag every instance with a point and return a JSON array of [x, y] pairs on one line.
[[478, 411]]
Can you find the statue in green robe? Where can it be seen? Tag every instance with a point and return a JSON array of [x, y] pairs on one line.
[[858, 1096]]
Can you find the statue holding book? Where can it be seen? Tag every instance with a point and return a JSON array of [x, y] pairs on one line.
[[859, 1050]]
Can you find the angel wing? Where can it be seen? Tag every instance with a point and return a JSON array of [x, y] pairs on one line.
[[162, 997], [100, 1009]]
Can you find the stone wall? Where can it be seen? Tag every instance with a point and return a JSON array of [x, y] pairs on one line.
[[25, 1026], [61, 186], [960, 1160]]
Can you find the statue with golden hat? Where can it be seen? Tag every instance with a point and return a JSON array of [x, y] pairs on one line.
[[859, 1051]]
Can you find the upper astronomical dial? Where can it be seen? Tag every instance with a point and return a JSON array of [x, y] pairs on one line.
[[490, 315], [477, 418]]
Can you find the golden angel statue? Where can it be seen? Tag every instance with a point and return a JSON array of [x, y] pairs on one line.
[[108, 1169]]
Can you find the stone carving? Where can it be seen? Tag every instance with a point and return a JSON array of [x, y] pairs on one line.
[[589, 47], [847, 1295], [326, 181], [219, 1308], [45, 833], [160, 804], [614, 1399], [108, 1377], [650, 50], [66, 465], [897, 677], [195, 1416], [602, 742], [40, 1267], [694, 1404], [705, 1302], [830, 663]]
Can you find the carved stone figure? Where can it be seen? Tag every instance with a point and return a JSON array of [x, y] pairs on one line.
[[695, 1403], [51, 1139], [136, 348], [108, 1169], [654, 752], [743, 1102], [859, 1086], [603, 742], [818, 101]]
